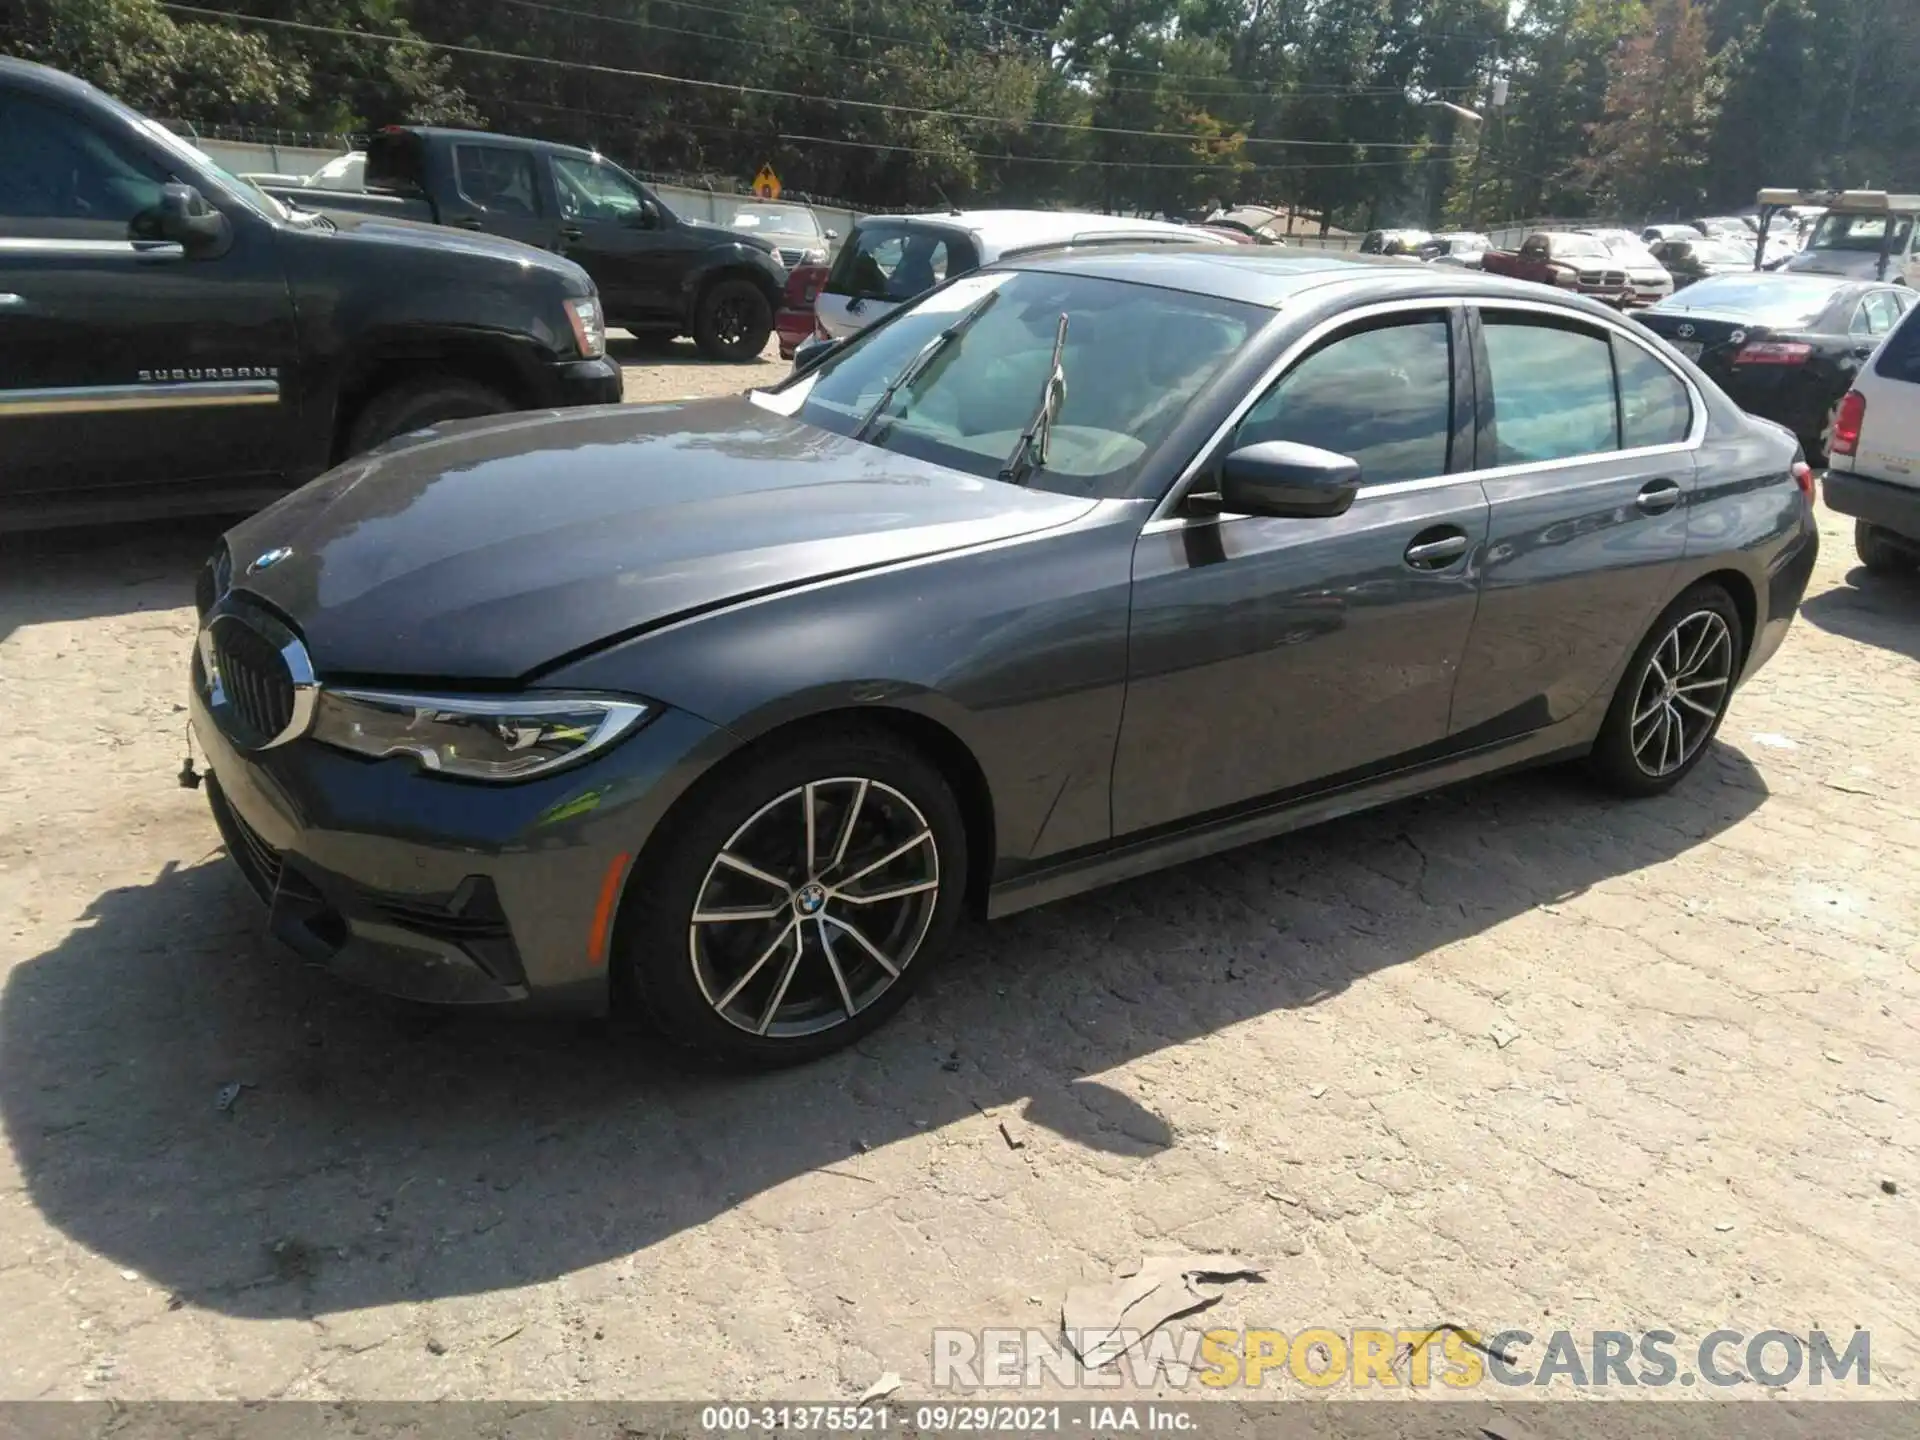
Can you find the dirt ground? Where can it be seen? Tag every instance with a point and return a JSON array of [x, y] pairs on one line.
[[1513, 1056]]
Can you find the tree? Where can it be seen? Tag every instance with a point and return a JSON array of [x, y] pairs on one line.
[[1649, 152]]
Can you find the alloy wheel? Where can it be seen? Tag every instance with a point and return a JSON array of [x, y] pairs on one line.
[[730, 322], [1682, 692], [814, 907]]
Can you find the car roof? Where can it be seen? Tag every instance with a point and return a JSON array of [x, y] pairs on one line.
[[1273, 278], [495, 138], [1017, 229]]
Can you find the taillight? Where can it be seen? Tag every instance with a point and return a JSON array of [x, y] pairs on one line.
[[1803, 477], [803, 284], [1774, 352], [1847, 420]]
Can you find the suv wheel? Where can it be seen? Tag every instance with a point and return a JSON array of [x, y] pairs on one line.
[[416, 404], [734, 322], [1880, 551]]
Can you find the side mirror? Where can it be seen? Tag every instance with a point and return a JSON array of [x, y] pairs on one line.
[[833, 234], [647, 217], [184, 218], [809, 353], [1280, 478]]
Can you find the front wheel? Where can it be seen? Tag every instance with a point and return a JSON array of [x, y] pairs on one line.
[[1673, 696], [797, 900], [416, 404], [734, 321]]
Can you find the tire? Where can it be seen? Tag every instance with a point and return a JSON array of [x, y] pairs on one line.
[[1880, 552], [784, 1005], [1697, 643], [734, 321], [415, 404]]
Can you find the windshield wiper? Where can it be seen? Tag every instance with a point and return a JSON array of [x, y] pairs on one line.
[[1029, 452], [923, 358]]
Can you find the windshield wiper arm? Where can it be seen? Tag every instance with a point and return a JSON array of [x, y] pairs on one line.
[[1029, 452], [917, 366]]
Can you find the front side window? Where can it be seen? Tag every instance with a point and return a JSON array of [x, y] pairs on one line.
[[1382, 396], [1654, 407], [1552, 390], [60, 177], [978, 354], [590, 190], [497, 179], [894, 263]]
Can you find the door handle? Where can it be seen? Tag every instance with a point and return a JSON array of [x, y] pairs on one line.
[[1436, 549], [1657, 497], [10, 301], [572, 232], [471, 223]]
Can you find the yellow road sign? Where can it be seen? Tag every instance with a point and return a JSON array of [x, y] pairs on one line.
[[767, 184]]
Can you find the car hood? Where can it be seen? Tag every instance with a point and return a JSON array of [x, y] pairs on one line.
[[708, 230], [415, 235], [482, 551]]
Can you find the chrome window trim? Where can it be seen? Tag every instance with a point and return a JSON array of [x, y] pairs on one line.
[[53, 245], [103, 399], [1164, 519]]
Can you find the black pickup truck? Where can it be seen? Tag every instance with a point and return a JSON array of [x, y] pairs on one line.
[[173, 340], [657, 272]]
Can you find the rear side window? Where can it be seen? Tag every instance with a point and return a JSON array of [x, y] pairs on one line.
[[896, 263], [1899, 357], [1881, 311], [1382, 396], [1552, 391], [1654, 408], [497, 179]]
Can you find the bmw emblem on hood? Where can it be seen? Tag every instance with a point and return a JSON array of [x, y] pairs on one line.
[[269, 559]]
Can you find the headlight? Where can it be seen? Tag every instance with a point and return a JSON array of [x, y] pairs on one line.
[[589, 326], [474, 737]]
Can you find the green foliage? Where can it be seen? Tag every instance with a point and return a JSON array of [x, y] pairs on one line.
[[1160, 106]]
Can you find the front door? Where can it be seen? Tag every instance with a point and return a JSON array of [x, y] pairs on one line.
[[1589, 478], [1274, 656], [125, 363], [634, 249]]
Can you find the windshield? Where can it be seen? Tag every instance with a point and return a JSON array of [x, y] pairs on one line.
[[1629, 248], [787, 219], [1778, 301], [198, 159], [1860, 232], [1577, 245], [1135, 359]]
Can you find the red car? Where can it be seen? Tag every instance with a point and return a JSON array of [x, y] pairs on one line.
[[793, 321]]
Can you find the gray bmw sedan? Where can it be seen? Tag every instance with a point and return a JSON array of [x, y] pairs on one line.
[[1080, 566]]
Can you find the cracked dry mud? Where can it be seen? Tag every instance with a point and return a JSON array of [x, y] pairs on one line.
[[1516, 1055]]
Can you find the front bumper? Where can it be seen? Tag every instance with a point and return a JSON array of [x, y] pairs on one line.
[[1878, 502], [580, 382], [449, 892]]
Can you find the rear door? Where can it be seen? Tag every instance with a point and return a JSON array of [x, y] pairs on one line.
[[1588, 438], [500, 189], [882, 265], [1889, 447], [1270, 656]]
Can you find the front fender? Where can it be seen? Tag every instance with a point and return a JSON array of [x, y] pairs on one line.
[[733, 257]]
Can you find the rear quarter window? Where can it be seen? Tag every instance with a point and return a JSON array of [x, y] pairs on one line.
[[1899, 357], [897, 262]]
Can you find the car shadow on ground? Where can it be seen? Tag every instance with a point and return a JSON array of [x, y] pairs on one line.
[[380, 1154], [1878, 610], [84, 574], [651, 350]]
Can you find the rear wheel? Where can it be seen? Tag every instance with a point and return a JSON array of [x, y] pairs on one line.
[[734, 321], [797, 901], [1673, 696], [415, 404], [1881, 552]]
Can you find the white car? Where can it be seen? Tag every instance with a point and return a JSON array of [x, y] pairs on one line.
[[889, 259], [1873, 459], [1651, 281]]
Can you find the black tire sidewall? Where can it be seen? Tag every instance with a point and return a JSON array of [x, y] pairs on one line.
[[654, 969], [1877, 552], [721, 291], [1612, 760], [418, 404]]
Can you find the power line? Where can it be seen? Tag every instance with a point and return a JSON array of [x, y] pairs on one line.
[[737, 89], [1239, 89]]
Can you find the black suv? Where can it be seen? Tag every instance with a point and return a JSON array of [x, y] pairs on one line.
[[173, 340]]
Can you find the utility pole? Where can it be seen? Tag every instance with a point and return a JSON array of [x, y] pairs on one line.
[[1497, 98]]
